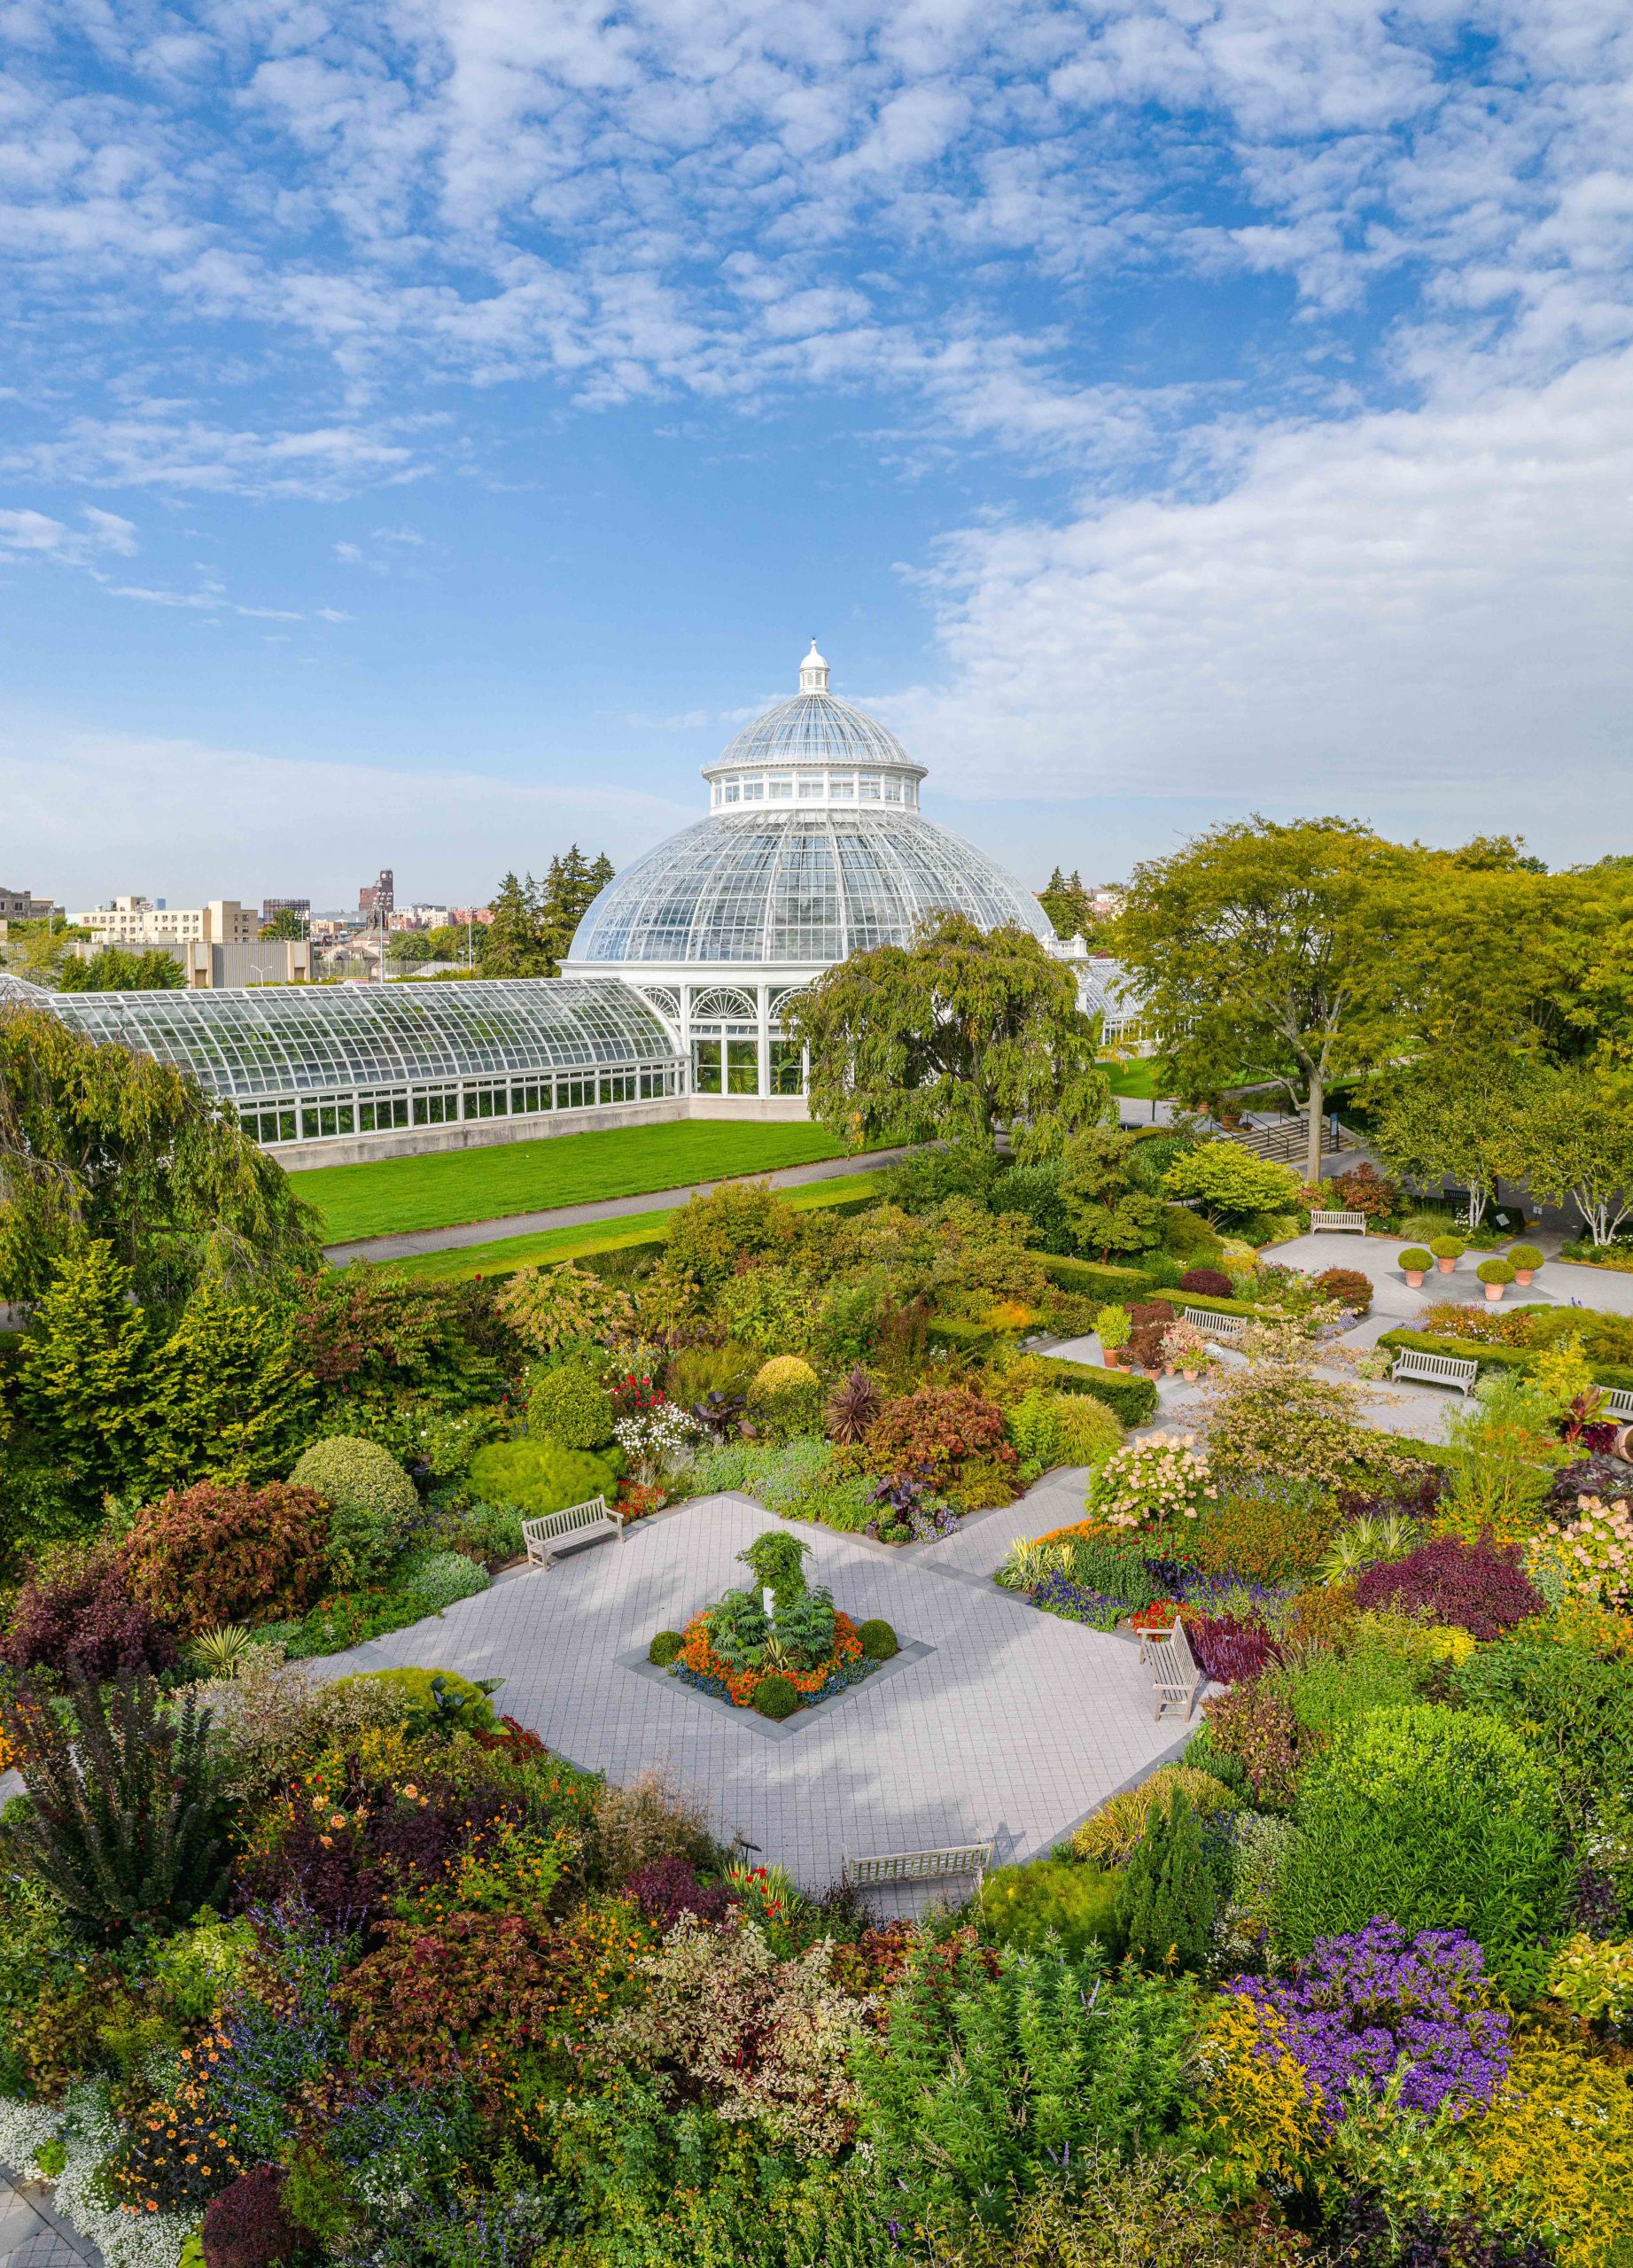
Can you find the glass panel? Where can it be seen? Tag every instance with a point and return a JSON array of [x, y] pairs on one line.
[[706, 1066], [787, 1068], [742, 1067]]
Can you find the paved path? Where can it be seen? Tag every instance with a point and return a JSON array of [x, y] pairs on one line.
[[1013, 1727], [462, 1233], [32, 2235]]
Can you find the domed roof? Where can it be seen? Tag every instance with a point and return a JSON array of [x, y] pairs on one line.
[[848, 862]]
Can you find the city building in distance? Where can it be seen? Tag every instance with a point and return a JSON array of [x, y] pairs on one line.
[[137, 922]]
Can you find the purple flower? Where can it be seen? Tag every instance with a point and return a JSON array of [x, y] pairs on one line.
[[1367, 2004]]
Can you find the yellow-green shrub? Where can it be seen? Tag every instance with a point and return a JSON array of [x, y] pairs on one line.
[[1553, 2156], [1110, 1837]]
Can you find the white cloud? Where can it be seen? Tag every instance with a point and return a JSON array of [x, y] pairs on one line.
[[92, 813], [25, 533], [1433, 607]]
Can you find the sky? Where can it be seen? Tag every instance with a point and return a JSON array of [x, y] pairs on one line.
[[430, 428]]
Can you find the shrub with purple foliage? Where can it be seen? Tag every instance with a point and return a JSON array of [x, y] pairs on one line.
[[1365, 2005], [1227, 1649], [1479, 1586], [75, 1613], [669, 1888], [246, 2226], [1213, 1282]]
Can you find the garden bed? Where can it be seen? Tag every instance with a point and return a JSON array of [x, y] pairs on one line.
[[709, 1695]]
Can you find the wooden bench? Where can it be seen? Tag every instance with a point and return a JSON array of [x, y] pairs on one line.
[[920, 1866], [1617, 1403], [1215, 1327], [1355, 1223], [545, 1537], [1436, 1370], [1175, 1677]]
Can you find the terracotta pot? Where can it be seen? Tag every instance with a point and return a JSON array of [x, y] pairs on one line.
[[1169, 1370], [1114, 1357], [1495, 1291], [1445, 1266], [1191, 1375], [1414, 1279], [1524, 1275]]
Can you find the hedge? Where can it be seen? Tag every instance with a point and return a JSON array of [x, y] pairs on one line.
[[962, 1336], [1133, 1398], [1489, 1357], [1094, 1279]]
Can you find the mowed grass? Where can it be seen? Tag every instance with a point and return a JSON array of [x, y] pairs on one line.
[[389, 1195], [505, 1254], [1133, 1077]]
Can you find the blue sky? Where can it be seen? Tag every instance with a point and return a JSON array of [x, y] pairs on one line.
[[428, 428]]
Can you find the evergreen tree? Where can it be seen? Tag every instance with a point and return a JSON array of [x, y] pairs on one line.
[[569, 888], [1168, 1897], [516, 943], [84, 1368], [224, 1401]]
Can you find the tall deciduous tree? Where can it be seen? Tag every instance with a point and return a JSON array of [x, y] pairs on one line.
[[951, 1037], [99, 1142], [1267, 954], [1573, 1139], [1456, 1113], [114, 970]]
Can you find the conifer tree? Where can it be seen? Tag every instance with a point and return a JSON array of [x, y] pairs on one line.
[[84, 1368], [517, 945], [1168, 1897]]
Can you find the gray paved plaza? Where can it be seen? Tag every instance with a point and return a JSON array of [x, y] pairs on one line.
[[1013, 1726]]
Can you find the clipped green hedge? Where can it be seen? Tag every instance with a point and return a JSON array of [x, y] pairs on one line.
[[1134, 1399], [1095, 1279], [1491, 1358], [1211, 1303], [962, 1334]]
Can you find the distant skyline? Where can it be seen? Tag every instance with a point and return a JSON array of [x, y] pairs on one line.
[[426, 433]]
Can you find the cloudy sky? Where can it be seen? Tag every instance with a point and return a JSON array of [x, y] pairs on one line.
[[428, 426]]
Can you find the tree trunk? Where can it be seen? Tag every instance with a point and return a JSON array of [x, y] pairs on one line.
[[1312, 1162]]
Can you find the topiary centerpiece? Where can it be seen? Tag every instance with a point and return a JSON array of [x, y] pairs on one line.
[[779, 1648]]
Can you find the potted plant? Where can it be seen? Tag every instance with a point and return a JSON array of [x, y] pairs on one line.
[[1184, 1350], [1416, 1263], [1526, 1260], [1113, 1326], [1447, 1251], [1496, 1276]]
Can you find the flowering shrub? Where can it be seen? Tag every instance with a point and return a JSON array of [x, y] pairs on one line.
[[652, 1440], [1366, 2005], [932, 1431], [1152, 1482], [1258, 2113], [178, 2151], [1593, 1552], [1553, 2156], [221, 1553], [1264, 1531], [1480, 1587]]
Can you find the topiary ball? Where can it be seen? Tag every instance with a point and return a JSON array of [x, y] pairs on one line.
[[879, 1641], [1211, 1281], [776, 1697], [781, 1372], [1448, 1248], [1495, 1272], [1525, 1255], [1416, 1261], [665, 1648], [373, 1503]]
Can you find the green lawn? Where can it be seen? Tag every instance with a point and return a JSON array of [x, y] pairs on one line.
[[388, 1195], [505, 1254], [1132, 1078]]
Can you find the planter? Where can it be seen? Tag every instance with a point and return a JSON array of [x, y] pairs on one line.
[[1414, 1279], [1112, 1357], [1495, 1291], [1524, 1275], [1445, 1266], [1190, 1376], [1169, 1369]]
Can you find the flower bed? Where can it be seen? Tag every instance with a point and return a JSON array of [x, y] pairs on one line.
[[698, 1665]]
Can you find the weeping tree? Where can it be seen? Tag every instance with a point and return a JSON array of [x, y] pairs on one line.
[[961, 1034], [98, 1142]]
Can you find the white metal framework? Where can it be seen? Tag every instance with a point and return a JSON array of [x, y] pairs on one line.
[[305, 1062]]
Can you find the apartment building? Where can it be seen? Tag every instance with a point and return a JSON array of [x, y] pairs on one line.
[[138, 921]]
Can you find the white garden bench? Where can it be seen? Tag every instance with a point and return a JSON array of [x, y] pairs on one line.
[[1437, 1369], [1216, 1326], [1354, 1223], [1175, 1677], [1618, 1402], [545, 1537], [920, 1866]]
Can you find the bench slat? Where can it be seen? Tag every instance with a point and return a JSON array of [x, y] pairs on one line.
[[1439, 1370], [1354, 1223], [920, 1866], [1216, 1326], [573, 1520], [1618, 1401]]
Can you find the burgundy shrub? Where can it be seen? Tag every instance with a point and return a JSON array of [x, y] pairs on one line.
[[1479, 1586], [75, 1613], [1212, 1281], [1228, 1650], [1593, 1475], [669, 1888], [246, 2226]]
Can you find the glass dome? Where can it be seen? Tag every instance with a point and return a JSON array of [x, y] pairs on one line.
[[848, 864]]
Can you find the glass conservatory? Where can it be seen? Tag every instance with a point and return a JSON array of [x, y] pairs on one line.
[[303, 1063], [814, 848]]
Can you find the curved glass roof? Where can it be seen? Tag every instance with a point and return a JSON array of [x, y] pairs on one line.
[[796, 886], [299, 1039], [814, 729]]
